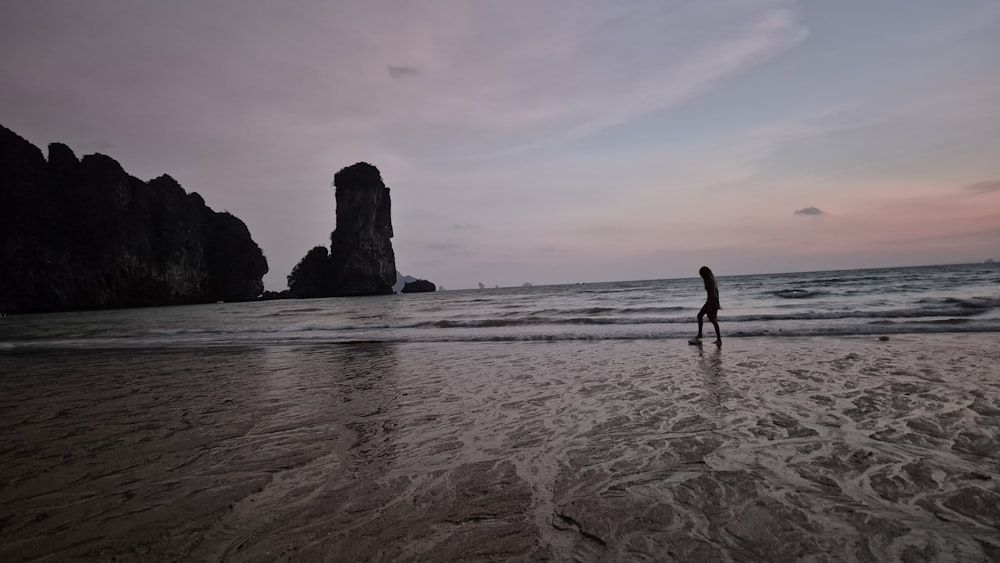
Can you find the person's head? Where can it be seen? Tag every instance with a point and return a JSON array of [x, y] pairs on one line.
[[706, 273]]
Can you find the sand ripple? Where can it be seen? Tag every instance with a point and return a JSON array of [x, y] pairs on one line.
[[765, 450]]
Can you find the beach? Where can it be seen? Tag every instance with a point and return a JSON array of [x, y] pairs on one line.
[[766, 449]]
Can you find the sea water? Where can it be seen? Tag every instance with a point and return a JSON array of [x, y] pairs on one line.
[[931, 299], [550, 423]]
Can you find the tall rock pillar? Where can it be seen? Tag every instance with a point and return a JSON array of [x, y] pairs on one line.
[[361, 256]]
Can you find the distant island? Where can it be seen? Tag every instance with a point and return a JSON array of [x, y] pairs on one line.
[[418, 286], [410, 284], [83, 234]]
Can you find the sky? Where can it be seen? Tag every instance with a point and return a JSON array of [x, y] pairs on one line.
[[548, 142]]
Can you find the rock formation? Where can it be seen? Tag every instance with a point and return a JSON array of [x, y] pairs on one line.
[[360, 249], [82, 233], [401, 280], [360, 260], [418, 286]]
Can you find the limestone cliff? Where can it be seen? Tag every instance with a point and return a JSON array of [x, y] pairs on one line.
[[82, 233], [360, 260], [360, 250]]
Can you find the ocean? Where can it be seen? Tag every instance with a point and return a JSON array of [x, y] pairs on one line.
[[930, 299], [850, 415]]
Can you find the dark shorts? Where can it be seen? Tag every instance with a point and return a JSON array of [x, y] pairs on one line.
[[710, 309]]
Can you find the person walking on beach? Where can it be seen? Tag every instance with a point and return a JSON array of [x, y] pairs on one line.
[[711, 306]]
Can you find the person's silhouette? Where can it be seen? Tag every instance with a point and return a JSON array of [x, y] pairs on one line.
[[711, 306]]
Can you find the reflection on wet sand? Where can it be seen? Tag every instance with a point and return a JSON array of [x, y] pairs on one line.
[[323, 413], [710, 365], [815, 449]]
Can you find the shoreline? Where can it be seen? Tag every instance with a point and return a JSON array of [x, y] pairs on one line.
[[97, 345]]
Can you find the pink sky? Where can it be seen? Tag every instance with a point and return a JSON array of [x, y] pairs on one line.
[[549, 142]]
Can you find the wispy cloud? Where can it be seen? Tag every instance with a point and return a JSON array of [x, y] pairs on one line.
[[493, 77], [988, 233], [984, 187], [443, 246], [812, 211], [558, 70], [400, 72]]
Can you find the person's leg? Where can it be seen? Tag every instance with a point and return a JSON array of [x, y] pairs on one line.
[[712, 316], [701, 314]]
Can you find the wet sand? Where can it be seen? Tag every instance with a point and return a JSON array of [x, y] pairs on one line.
[[815, 449]]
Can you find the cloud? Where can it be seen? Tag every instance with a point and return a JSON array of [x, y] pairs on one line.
[[553, 72], [984, 187], [809, 211], [989, 233], [399, 72], [443, 245], [539, 74]]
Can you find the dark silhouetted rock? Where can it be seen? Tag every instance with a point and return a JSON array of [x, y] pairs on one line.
[[361, 260], [312, 276], [272, 295], [82, 233], [360, 246], [419, 286], [401, 280]]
